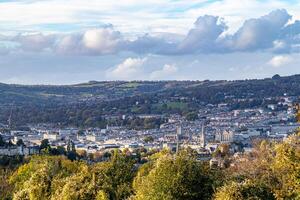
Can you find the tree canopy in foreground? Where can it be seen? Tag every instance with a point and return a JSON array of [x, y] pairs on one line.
[[271, 171]]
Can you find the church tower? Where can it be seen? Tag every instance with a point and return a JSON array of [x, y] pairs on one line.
[[203, 137], [178, 137]]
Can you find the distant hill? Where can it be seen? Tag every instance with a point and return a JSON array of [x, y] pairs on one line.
[[93, 100]]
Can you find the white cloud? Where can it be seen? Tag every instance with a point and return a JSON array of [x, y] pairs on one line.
[[69, 44], [91, 42], [168, 72], [35, 42], [280, 60], [45, 68], [202, 38], [268, 33], [236, 12], [102, 41], [260, 33], [129, 69], [144, 16], [208, 35]]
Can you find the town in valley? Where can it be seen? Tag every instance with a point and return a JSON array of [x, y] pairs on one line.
[[203, 130]]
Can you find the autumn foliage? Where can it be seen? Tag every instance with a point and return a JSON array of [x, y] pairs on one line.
[[270, 171]]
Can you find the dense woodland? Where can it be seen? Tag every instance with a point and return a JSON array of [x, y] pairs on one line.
[[271, 171], [88, 104]]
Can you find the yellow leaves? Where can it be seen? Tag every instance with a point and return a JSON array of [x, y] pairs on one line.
[[78, 186], [21, 195], [36, 186], [229, 192], [271, 171], [246, 190], [276, 165], [286, 167], [101, 195], [169, 177], [297, 107], [57, 178], [42, 175]]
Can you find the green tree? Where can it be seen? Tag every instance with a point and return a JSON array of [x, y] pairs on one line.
[[71, 151], [59, 150], [20, 142], [6, 188], [169, 177], [2, 142], [244, 191], [148, 139], [222, 151], [105, 180], [42, 177], [57, 178], [45, 146], [191, 116], [276, 166]]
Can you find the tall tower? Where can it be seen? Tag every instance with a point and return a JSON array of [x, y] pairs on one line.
[[178, 135], [179, 130], [203, 138]]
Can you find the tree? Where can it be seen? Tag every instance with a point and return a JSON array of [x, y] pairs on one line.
[[222, 151], [42, 177], [45, 144], [148, 139], [20, 142], [2, 142], [71, 151], [81, 153], [191, 116], [70, 146], [275, 166], [10, 144], [5, 188], [58, 178], [276, 77], [180, 177], [286, 168], [59, 150], [244, 191], [105, 180], [270, 172]]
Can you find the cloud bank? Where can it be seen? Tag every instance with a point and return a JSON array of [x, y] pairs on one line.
[[272, 32]]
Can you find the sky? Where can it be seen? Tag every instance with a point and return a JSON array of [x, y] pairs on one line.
[[74, 41]]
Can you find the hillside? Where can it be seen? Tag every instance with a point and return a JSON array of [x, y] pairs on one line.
[[72, 104]]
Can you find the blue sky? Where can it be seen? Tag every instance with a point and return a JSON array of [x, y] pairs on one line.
[[71, 41]]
